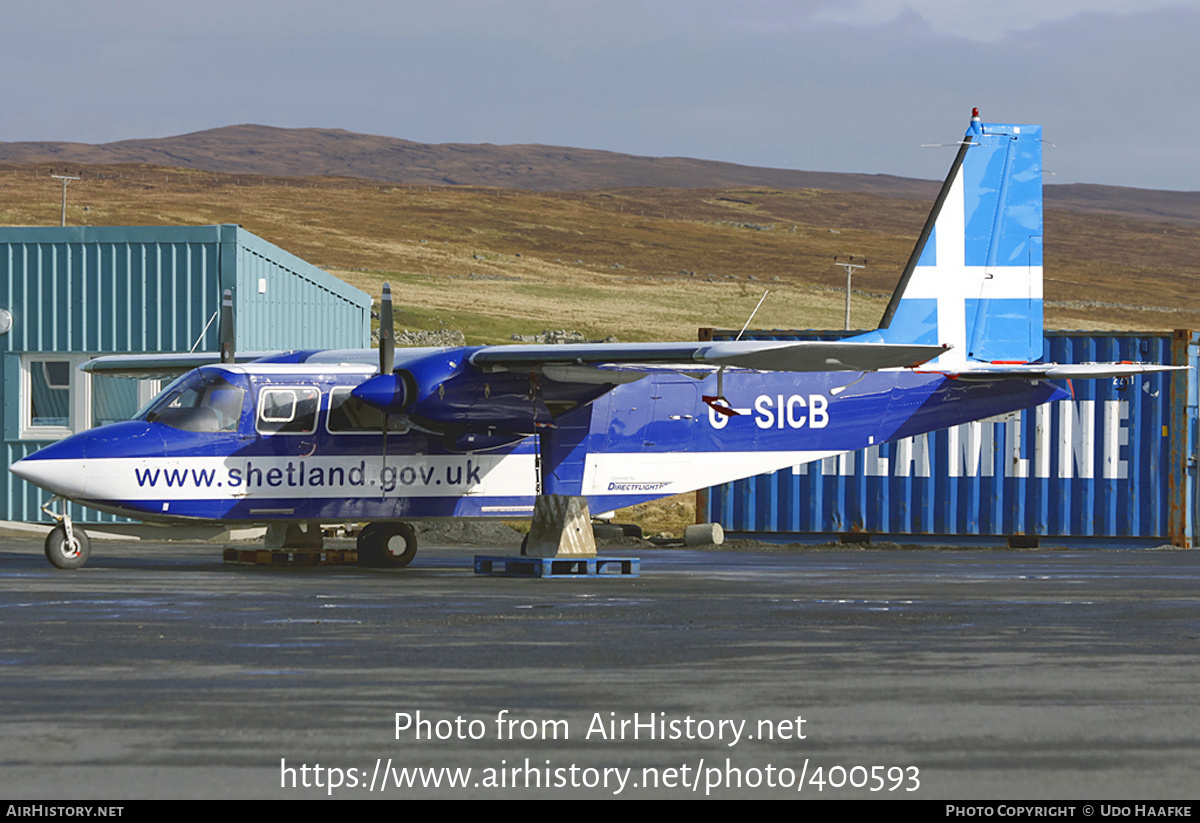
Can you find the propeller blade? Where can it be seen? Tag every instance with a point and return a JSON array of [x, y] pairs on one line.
[[387, 361], [387, 332], [226, 330]]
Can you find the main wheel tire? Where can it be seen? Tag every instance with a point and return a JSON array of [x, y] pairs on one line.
[[607, 531], [398, 543], [387, 545], [67, 555]]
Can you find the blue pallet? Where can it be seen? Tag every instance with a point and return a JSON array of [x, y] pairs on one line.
[[557, 566]]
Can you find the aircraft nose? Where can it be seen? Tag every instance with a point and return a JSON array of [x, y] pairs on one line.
[[62, 477], [74, 467]]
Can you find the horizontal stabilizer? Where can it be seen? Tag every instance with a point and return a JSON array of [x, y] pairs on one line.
[[1054, 371]]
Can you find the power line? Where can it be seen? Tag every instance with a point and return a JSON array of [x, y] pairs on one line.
[[850, 266], [66, 179]]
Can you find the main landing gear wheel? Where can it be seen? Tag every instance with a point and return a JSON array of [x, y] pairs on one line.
[[387, 545], [67, 554]]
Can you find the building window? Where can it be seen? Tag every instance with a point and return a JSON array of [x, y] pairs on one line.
[[117, 398], [57, 399], [50, 393]]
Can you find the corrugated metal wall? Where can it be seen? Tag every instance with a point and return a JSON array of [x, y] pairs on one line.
[[1115, 462], [98, 290], [108, 289], [290, 304]]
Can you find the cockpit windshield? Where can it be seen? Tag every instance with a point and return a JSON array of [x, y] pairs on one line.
[[200, 401]]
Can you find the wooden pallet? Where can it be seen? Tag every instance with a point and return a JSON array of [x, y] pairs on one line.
[[557, 566], [292, 557]]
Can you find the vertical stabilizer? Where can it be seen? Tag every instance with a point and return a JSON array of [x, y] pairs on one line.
[[974, 279]]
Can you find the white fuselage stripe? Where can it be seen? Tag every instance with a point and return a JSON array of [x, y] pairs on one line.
[[266, 478]]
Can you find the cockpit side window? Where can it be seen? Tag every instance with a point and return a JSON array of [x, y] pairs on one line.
[[198, 402], [290, 410]]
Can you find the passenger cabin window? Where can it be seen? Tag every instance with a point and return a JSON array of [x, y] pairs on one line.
[[288, 411], [349, 415]]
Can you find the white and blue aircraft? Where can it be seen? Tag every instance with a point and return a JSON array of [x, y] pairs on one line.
[[390, 437]]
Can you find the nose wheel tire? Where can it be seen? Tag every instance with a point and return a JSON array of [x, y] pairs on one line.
[[387, 545], [67, 554]]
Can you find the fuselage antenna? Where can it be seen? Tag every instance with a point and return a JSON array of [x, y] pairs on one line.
[[751, 317]]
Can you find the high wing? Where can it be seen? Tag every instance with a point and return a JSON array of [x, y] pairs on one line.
[[152, 366], [803, 356], [175, 364], [419, 384], [749, 354]]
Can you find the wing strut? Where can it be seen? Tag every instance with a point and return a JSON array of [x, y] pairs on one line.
[[719, 403]]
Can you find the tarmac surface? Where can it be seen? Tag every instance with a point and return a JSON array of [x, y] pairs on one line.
[[158, 671]]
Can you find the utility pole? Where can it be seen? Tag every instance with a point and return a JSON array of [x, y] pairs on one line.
[[66, 179], [850, 266]]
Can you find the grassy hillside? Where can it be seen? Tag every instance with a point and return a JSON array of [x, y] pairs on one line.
[[638, 263]]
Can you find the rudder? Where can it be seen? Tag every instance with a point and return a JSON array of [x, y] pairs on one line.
[[974, 279]]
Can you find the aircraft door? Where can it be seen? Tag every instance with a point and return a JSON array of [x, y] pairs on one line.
[[287, 418], [674, 416]]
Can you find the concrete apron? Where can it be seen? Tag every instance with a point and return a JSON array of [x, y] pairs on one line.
[[562, 527]]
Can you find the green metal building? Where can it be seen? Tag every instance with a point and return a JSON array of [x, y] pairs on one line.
[[68, 294]]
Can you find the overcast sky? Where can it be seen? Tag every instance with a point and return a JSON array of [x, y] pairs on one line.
[[828, 85]]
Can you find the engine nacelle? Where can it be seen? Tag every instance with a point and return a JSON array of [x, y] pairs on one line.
[[417, 388]]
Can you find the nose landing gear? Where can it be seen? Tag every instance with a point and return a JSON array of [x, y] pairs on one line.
[[67, 546]]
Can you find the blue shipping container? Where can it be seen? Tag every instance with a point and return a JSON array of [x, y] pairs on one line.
[[1116, 463]]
